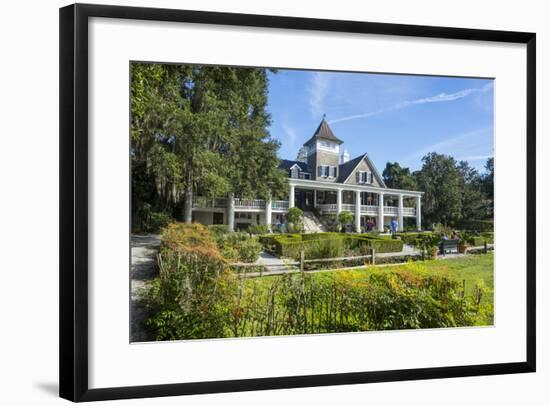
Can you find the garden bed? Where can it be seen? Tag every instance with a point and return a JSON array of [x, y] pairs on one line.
[[328, 245]]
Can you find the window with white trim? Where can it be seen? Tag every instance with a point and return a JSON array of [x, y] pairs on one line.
[[363, 177]]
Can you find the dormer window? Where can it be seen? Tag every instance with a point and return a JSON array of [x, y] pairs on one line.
[[363, 177], [295, 172]]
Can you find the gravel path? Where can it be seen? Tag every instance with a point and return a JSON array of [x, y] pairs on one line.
[[143, 269]]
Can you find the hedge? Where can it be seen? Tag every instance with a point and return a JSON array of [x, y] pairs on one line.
[[382, 245], [478, 225], [410, 238], [327, 245], [479, 240]]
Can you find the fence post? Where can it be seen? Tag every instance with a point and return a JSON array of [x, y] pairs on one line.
[[485, 246], [302, 261], [373, 251]]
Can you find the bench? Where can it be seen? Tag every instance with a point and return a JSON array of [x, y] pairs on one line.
[[448, 246]]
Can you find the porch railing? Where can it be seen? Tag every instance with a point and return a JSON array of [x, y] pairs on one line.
[[279, 204], [327, 208], [390, 210], [348, 207], [249, 204], [202, 202], [369, 209], [409, 211]]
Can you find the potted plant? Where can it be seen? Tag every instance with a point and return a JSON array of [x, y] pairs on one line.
[[432, 251], [428, 245], [345, 218], [462, 246]]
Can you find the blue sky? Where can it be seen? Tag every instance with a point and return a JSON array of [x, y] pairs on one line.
[[391, 117]]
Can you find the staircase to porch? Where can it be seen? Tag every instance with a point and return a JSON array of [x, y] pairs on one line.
[[312, 224]]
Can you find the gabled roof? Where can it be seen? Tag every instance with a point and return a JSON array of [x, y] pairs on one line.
[[323, 132], [286, 164], [346, 169]]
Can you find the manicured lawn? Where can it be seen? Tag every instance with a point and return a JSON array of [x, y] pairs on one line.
[[473, 269]]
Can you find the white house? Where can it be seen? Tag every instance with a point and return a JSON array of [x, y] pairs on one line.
[[322, 180]]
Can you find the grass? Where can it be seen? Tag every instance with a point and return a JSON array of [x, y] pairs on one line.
[[469, 269]]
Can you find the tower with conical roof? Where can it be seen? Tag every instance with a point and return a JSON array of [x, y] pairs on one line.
[[322, 153]]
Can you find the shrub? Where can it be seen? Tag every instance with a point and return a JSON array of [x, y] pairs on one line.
[[317, 245], [257, 229], [383, 245], [294, 215], [190, 297], [478, 225], [478, 240], [345, 218], [192, 242], [159, 220], [412, 238], [239, 247], [218, 229]]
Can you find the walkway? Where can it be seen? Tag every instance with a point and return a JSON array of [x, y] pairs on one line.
[[275, 265], [143, 268]]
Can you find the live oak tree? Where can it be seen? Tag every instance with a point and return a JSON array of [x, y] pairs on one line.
[[441, 182], [472, 197], [200, 129], [397, 177]]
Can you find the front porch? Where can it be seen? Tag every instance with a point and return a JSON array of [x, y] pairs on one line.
[[379, 205], [371, 207]]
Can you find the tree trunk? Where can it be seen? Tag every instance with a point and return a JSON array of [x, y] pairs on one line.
[[188, 205]]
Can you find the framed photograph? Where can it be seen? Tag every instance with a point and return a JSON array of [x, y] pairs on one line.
[[257, 202]]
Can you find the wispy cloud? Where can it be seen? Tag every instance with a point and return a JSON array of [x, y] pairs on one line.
[[439, 98], [318, 89], [474, 158], [461, 142], [289, 132]]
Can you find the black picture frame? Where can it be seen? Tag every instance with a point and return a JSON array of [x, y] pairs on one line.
[[73, 281]]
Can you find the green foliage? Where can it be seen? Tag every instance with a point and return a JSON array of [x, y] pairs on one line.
[[427, 244], [258, 229], [159, 221], [345, 218], [195, 296], [189, 298], [383, 245], [200, 129], [217, 230], [440, 179], [454, 191], [327, 245], [478, 225], [478, 240], [397, 177], [294, 214], [239, 247], [411, 238], [294, 217]]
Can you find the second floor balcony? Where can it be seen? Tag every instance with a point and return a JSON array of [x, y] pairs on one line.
[[367, 209], [201, 202]]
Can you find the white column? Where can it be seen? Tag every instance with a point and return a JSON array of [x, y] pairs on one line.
[[231, 212], [291, 197], [357, 212], [400, 213], [314, 198], [418, 213], [268, 213], [338, 201], [381, 212]]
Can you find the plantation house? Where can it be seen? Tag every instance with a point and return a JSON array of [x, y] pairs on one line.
[[322, 180]]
